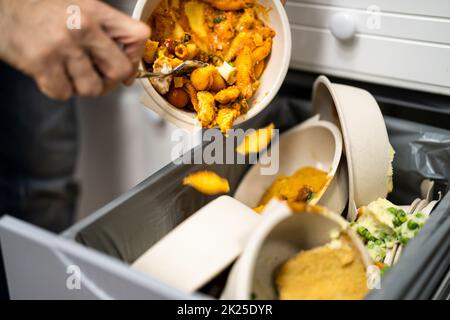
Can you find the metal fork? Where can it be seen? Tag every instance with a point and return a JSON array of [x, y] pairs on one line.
[[185, 67]]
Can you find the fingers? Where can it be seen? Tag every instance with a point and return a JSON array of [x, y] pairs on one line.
[[130, 33], [112, 63], [89, 61], [54, 81], [128, 82], [134, 44], [86, 81]]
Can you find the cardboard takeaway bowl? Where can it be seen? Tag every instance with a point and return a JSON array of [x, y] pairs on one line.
[[366, 143], [315, 144], [279, 236]]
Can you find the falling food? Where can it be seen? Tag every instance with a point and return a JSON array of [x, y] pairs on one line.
[[256, 141], [207, 182]]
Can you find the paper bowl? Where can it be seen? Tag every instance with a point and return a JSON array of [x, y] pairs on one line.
[[202, 246], [280, 236], [315, 144], [271, 79], [366, 142]]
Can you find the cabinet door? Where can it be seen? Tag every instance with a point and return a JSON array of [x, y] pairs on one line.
[[394, 42]]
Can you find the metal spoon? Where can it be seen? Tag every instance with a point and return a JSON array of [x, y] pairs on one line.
[[185, 67]]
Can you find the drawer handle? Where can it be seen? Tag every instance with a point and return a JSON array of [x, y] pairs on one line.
[[343, 26]]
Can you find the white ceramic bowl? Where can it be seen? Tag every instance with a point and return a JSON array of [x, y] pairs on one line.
[[278, 237], [315, 144], [271, 79], [200, 247], [366, 142]]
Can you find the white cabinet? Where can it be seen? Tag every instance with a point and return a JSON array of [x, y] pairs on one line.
[[397, 43]]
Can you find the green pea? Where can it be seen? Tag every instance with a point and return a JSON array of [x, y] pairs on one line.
[[369, 236], [361, 231], [419, 215], [404, 240], [392, 210], [412, 225]]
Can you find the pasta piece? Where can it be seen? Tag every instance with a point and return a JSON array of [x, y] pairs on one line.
[[151, 47], [227, 95], [195, 12], [225, 29], [163, 52], [259, 68], [247, 20], [181, 51], [186, 51], [207, 182], [230, 4], [244, 65], [202, 78], [193, 50], [178, 97], [206, 108], [263, 51], [242, 40], [175, 62], [256, 141], [190, 90], [258, 39], [218, 82], [225, 118], [265, 31]]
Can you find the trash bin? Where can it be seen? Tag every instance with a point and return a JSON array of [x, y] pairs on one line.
[[104, 244]]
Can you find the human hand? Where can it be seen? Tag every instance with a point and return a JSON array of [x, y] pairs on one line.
[[88, 61]]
